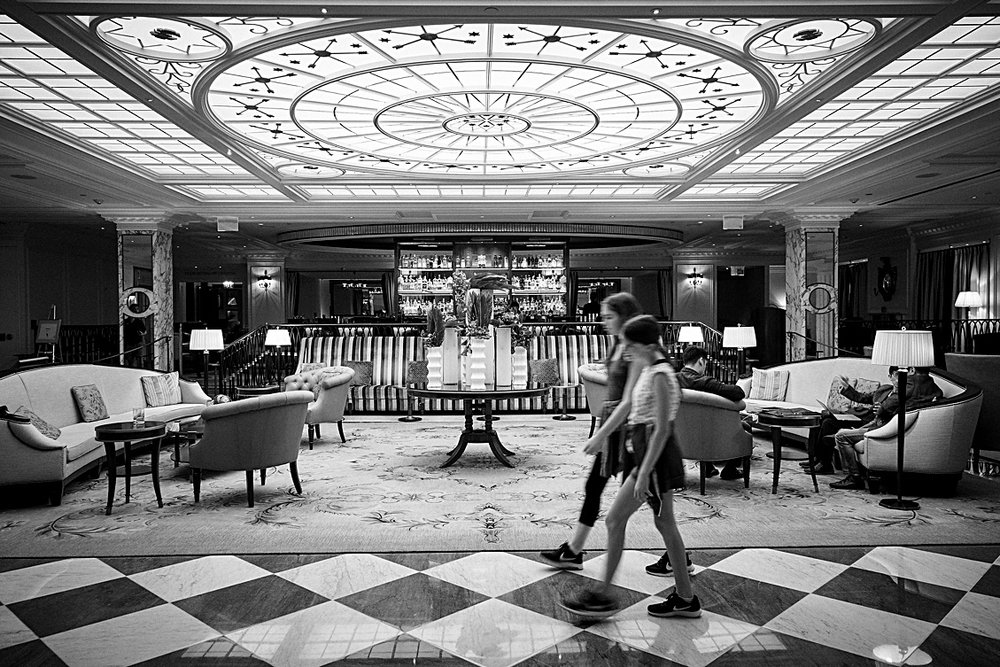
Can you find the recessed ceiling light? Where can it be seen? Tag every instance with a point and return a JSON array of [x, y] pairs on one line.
[[323, 11], [655, 12]]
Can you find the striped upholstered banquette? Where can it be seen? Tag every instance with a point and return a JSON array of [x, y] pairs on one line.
[[391, 354]]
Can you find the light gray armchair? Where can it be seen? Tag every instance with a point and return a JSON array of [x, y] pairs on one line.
[[594, 378], [330, 387], [709, 428], [251, 434]]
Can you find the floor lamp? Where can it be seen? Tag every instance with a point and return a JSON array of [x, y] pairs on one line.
[[739, 337], [903, 349], [968, 300], [275, 338], [690, 334], [206, 340]]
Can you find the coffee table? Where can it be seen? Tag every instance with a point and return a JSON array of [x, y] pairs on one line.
[[187, 433], [128, 433], [777, 418], [486, 397]]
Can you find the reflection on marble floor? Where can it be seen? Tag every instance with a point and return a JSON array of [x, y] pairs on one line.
[[806, 606]]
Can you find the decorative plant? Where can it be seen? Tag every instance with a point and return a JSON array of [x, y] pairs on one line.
[[434, 331]]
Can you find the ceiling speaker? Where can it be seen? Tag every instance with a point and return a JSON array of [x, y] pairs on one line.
[[732, 222], [227, 224]]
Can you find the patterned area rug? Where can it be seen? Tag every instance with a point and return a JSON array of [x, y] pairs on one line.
[[384, 491]]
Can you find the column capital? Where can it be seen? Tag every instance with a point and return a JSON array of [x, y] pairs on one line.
[[811, 218], [141, 224]]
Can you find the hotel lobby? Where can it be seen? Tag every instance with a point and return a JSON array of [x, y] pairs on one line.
[[818, 174]]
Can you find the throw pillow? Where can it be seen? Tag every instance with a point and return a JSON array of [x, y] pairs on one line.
[[768, 385], [312, 366], [543, 371], [161, 389], [89, 402], [363, 371], [43, 426], [416, 372]]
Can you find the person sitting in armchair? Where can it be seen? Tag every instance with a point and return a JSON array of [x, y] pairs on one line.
[[920, 390]]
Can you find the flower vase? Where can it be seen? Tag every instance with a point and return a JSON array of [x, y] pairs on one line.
[[477, 364], [519, 369], [450, 356], [434, 367], [503, 357]]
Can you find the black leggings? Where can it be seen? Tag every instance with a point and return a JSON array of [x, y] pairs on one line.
[[593, 490]]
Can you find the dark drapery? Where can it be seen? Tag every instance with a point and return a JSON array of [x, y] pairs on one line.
[[934, 285], [852, 288], [389, 292], [971, 269], [665, 292], [293, 282]]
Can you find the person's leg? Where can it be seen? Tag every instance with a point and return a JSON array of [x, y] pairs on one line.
[[616, 521], [569, 554], [845, 445], [682, 602]]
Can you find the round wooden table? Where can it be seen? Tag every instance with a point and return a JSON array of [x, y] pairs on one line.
[[777, 418], [469, 397], [127, 433]]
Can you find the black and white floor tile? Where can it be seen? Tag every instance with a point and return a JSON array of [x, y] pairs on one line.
[[807, 606]]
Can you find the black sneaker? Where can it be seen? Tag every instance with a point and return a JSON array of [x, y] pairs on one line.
[[591, 605], [730, 473], [675, 606], [563, 558], [663, 568]]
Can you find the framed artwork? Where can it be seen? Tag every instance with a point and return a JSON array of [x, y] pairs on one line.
[[48, 332], [142, 277]]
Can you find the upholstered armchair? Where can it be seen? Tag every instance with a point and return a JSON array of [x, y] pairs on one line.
[[709, 429], [330, 387], [594, 378], [251, 434]]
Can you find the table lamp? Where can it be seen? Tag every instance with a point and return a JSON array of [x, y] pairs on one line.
[[903, 349], [739, 337], [206, 340], [275, 338], [968, 300], [690, 334]]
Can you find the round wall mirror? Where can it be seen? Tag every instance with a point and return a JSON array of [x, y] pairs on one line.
[[138, 302], [820, 298]]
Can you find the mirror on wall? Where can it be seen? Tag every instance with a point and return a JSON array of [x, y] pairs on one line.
[[821, 297], [137, 305], [357, 297]]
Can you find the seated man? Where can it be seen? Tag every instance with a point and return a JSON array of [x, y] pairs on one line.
[[921, 390], [692, 376]]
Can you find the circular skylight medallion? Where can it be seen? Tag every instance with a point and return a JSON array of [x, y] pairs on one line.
[[301, 170], [161, 38], [801, 41], [660, 170]]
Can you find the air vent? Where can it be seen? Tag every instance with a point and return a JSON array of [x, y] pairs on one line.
[[415, 215], [549, 215]]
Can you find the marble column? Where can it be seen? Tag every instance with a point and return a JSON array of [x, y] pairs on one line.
[[156, 255], [811, 283]]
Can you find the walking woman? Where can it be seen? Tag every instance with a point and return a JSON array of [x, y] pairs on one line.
[[653, 469], [606, 442]]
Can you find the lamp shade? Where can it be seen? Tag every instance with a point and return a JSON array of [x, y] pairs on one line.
[[277, 338], [903, 348], [206, 339], [690, 334], [969, 300], [740, 337]]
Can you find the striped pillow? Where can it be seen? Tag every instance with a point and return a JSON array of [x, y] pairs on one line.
[[768, 385], [161, 389]]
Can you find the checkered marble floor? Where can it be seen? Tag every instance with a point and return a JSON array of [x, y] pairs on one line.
[[806, 606]]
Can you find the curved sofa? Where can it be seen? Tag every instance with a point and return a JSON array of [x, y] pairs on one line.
[[938, 437], [29, 457]]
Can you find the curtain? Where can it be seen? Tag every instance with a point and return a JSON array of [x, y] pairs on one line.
[[934, 285], [292, 287], [665, 292], [852, 290], [971, 271], [389, 293]]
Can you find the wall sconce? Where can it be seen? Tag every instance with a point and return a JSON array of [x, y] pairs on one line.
[[695, 279], [264, 282]]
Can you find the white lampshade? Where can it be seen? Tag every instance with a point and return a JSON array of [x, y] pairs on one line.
[[690, 334], [277, 338], [740, 337], [206, 339], [969, 300], [903, 348]]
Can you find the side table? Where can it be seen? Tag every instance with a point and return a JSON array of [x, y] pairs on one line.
[[127, 433], [799, 419], [565, 388]]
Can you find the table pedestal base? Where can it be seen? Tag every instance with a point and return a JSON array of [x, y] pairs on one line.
[[473, 435]]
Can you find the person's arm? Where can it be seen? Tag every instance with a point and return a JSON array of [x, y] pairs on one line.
[[728, 391], [661, 432], [619, 415], [856, 396]]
